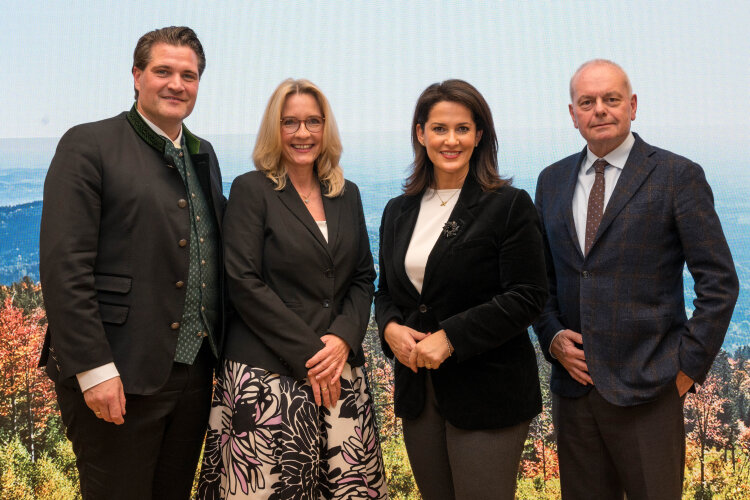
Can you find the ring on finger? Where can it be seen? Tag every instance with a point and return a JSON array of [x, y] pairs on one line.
[[324, 389], [98, 413]]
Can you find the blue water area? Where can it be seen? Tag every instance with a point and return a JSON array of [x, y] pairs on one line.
[[377, 170]]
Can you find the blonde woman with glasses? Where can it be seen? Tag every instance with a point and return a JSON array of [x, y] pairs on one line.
[[292, 415]]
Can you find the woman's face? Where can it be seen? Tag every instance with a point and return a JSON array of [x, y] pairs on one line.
[[301, 148], [449, 136]]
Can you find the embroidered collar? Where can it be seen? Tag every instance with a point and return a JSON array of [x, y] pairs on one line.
[[156, 141]]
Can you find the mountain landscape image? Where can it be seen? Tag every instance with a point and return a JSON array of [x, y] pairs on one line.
[[36, 454]]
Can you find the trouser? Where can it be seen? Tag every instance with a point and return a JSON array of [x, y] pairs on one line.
[[607, 451], [154, 454], [451, 463]]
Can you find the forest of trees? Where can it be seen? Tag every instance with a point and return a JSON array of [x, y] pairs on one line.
[[36, 460]]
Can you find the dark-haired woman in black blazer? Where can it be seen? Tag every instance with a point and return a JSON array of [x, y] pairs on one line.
[[462, 275]]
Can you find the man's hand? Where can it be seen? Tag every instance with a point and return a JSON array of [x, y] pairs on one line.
[[402, 340], [107, 400], [683, 382], [571, 356]]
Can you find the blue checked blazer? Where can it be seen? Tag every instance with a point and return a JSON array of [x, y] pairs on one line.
[[626, 296]]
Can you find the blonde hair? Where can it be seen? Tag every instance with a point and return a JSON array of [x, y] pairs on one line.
[[268, 146]]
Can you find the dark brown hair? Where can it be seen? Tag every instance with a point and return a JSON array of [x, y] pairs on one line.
[[483, 163], [171, 35]]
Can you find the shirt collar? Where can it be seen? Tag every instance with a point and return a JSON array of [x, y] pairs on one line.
[[617, 157], [177, 142]]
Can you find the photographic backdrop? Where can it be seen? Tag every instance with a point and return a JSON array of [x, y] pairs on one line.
[[69, 62]]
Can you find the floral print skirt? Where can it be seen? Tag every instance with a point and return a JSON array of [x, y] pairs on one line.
[[267, 439]]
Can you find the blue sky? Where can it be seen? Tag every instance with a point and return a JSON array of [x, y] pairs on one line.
[[69, 62]]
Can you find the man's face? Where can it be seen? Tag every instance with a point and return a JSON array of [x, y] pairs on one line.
[[602, 107], [168, 86]]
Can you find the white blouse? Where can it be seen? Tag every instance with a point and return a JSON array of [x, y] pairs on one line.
[[323, 226], [432, 216]]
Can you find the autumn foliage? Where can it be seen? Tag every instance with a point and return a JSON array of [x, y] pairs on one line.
[[36, 460], [26, 394]]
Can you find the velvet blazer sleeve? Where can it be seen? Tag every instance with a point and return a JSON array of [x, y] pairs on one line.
[[385, 309]]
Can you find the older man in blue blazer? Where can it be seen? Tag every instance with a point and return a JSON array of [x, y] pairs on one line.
[[620, 220]]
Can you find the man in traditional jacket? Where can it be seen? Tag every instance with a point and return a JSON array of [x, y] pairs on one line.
[[130, 262]]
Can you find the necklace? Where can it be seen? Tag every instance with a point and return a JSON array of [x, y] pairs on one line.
[[442, 201], [306, 198]]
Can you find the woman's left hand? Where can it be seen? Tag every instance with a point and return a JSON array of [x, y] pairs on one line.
[[432, 351], [326, 366]]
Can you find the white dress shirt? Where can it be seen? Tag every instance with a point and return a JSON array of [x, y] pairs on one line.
[[586, 176]]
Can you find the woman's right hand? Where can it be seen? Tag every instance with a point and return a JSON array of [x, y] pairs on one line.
[[402, 340]]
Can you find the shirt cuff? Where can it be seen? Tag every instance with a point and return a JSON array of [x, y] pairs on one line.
[[550, 344], [95, 376]]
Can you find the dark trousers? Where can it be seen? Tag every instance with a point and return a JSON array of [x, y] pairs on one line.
[[154, 454], [451, 463], [607, 451]]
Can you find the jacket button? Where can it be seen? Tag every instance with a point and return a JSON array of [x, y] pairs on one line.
[[175, 326], [182, 242], [326, 303], [181, 154], [329, 273], [422, 308], [181, 203], [586, 275], [179, 284]]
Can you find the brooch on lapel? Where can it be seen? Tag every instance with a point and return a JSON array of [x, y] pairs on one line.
[[451, 228]]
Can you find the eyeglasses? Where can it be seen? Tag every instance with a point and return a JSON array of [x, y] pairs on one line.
[[290, 124]]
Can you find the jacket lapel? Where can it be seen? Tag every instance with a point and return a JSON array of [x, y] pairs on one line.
[[463, 217], [567, 200], [331, 207], [296, 206], [403, 228], [637, 169]]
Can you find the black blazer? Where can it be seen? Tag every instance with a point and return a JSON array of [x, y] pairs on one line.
[[109, 250], [626, 295], [483, 286], [288, 285]]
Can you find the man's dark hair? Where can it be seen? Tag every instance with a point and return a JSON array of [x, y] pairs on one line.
[[171, 35]]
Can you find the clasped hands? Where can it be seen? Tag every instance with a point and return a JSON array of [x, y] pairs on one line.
[[416, 349], [107, 399], [565, 349], [325, 368]]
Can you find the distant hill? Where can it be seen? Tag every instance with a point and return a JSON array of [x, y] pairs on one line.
[[19, 257], [19, 242]]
